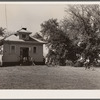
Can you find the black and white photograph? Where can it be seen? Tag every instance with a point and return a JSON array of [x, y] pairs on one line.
[[52, 46]]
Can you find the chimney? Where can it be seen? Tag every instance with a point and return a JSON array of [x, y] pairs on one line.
[[24, 28]]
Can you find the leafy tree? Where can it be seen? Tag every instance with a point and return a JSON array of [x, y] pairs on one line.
[[58, 42], [83, 27], [2, 34], [2, 31]]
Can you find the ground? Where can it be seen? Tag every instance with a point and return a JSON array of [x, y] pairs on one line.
[[43, 77]]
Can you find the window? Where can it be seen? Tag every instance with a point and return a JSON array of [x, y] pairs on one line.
[[34, 49], [24, 36], [13, 49]]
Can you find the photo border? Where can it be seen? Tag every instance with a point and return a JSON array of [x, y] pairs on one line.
[[49, 94]]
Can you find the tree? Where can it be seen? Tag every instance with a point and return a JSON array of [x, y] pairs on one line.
[[2, 31], [83, 27], [48, 28], [2, 34], [57, 41]]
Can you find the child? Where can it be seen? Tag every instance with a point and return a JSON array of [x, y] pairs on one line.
[[87, 64], [33, 61]]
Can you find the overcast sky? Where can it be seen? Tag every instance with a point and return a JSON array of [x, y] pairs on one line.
[[29, 15]]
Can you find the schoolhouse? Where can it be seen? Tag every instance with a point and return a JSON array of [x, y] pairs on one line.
[[22, 45]]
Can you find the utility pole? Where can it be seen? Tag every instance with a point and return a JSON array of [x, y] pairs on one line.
[[6, 16]]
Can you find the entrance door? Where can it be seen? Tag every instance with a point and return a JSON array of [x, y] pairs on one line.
[[24, 52]]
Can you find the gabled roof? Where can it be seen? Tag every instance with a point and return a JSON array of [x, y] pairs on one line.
[[15, 37], [38, 40]]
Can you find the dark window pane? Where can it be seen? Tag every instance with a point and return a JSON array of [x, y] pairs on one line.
[[23, 36], [34, 49], [12, 49]]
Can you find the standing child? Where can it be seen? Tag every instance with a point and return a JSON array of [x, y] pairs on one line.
[[33, 61], [86, 64]]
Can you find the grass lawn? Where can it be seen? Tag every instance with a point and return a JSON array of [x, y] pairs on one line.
[[43, 77]]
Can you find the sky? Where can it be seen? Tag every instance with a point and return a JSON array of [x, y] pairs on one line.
[[29, 15]]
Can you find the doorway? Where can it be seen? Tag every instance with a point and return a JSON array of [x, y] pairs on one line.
[[24, 52], [24, 55]]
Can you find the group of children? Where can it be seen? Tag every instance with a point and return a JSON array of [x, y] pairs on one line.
[[51, 62], [26, 60], [89, 65]]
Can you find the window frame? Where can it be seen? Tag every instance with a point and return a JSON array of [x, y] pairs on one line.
[[11, 49]]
